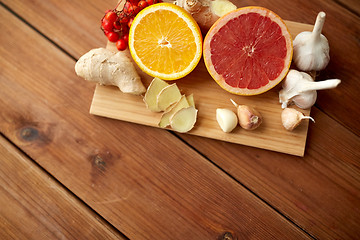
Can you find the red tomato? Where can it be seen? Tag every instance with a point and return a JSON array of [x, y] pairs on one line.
[[111, 16], [126, 37], [136, 10], [142, 4], [112, 36], [121, 44], [107, 26], [134, 2], [117, 25], [128, 8], [130, 22]]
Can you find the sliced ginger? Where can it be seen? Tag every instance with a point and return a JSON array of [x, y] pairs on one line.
[[190, 100], [184, 119], [168, 96], [152, 93], [179, 110], [165, 118]]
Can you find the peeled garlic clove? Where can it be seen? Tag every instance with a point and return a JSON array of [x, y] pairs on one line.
[[226, 119], [291, 118]]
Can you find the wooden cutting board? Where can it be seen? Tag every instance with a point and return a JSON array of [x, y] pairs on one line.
[[108, 101]]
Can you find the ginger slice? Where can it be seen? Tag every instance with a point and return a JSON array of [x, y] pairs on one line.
[[190, 100], [152, 92], [165, 118], [168, 96], [184, 119]]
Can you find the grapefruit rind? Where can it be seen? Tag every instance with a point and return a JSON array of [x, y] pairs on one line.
[[191, 23], [220, 23]]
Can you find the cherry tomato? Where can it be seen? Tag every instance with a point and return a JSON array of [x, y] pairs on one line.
[[130, 22], [136, 10], [117, 25], [134, 2], [112, 36], [126, 38], [124, 20], [142, 4], [150, 2], [111, 17], [124, 28], [121, 44], [128, 8], [107, 26]]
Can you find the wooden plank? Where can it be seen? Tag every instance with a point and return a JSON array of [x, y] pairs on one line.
[[77, 33], [352, 5], [36, 206], [253, 162], [144, 181], [320, 192]]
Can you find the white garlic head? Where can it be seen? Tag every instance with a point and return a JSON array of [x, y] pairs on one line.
[[305, 100], [293, 90], [300, 88], [311, 49]]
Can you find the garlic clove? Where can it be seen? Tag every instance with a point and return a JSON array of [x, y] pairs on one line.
[[311, 49], [291, 118], [226, 119], [249, 117]]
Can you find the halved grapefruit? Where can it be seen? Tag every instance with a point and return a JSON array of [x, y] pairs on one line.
[[248, 51]]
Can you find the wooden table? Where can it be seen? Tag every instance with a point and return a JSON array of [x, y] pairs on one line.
[[67, 174]]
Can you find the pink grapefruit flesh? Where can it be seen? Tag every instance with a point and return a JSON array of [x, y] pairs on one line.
[[248, 51]]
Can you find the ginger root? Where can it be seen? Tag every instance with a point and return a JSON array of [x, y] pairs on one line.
[[110, 68], [206, 12]]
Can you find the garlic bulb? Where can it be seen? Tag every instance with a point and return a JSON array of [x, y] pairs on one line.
[[249, 118], [291, 118], [300, 88], [311, 49], [226, 119]]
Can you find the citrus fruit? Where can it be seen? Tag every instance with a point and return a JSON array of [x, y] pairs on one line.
[[248, 51], [165, 41]]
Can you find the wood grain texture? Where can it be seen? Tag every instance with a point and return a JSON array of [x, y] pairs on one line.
[[78, 33], [352, 5], [144, 181], [35, 206], [109, 102], [320, 192], [284, 181]]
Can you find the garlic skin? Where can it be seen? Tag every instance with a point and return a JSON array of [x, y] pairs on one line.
[[249, 117], [300, 88], [311, 49], [226, 119], [291, 118]]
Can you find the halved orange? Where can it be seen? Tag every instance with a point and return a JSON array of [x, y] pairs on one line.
[[248, 51], [165, 41]]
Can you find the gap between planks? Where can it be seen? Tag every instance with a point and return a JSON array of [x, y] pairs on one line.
[[213, 163], [13, 150]]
